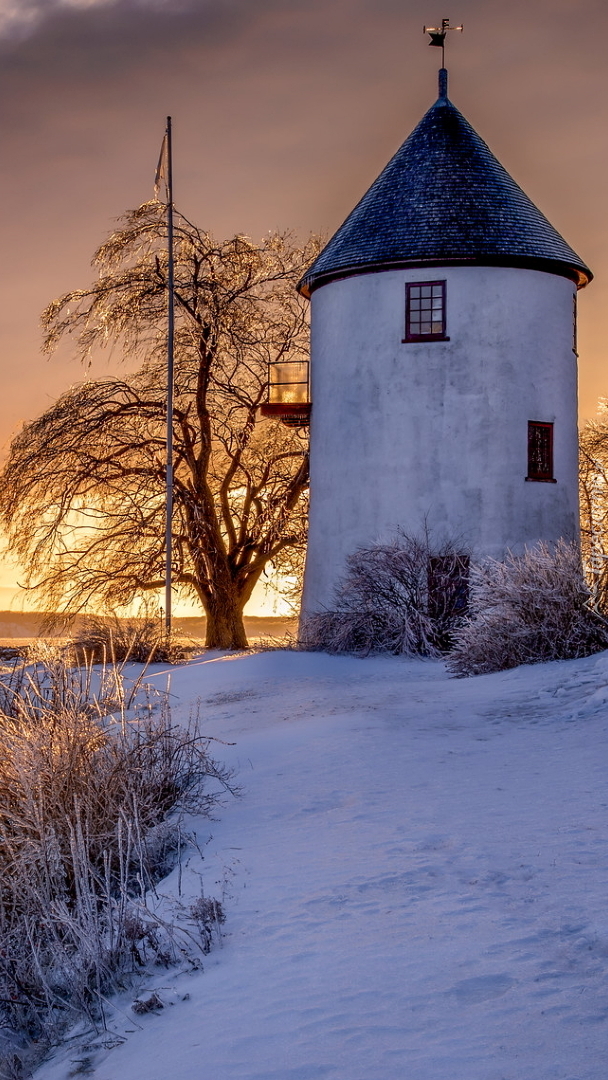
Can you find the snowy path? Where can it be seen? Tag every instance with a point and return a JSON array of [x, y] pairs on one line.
[[417, 878]]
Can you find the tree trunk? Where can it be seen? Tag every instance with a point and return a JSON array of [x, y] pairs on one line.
[[225, 626]]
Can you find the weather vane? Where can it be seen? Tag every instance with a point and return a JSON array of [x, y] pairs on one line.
[[437, 35]]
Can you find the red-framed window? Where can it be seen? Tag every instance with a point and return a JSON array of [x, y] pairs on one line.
[[540, 450], [425, 311]]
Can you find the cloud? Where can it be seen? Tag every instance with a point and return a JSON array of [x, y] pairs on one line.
[[19, 18]]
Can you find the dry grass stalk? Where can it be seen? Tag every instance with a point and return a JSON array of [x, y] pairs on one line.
[[92, 781]]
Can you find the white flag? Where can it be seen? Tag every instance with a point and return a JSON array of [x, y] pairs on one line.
[[162, 169]]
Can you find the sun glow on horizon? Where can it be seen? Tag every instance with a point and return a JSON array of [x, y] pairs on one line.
[[266, 601]]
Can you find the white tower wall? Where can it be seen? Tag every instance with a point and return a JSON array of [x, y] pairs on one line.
[[404, 434]]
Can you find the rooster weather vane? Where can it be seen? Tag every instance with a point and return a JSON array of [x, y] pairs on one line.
[[437, 35]]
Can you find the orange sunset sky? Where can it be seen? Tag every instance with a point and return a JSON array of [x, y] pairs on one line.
[[284, 112]]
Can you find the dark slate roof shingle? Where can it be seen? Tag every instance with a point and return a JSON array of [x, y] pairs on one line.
[[444, 198]]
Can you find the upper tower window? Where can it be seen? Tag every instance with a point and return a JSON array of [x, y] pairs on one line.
[[425, 311]]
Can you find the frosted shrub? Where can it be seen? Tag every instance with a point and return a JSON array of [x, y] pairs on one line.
[[528, 609], [89, 819], [401, 598], [108, 638]]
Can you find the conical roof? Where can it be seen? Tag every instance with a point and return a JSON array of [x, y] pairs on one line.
[[444, 199]]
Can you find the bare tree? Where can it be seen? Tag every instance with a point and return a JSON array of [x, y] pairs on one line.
[[593, 473], [82, 491]]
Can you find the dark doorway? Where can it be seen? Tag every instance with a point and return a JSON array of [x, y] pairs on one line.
[[448, 592]]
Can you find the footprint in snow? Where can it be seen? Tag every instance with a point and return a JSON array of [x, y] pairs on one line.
[[481, 988]]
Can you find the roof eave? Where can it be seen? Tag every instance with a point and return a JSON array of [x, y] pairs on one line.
[[577, 273]]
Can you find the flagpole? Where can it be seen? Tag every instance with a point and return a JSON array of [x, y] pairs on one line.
[[170, 381]]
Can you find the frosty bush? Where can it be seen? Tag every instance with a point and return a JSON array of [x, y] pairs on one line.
[[108, 638], [85, 805], [401, 598], [528, 609]]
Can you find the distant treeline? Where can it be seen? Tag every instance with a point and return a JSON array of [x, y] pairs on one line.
[[30, 624]]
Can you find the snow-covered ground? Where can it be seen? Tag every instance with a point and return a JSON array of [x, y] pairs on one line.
[[414, 877]]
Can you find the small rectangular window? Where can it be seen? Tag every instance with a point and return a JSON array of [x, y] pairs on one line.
[[540, 451], [448, 594], [425, 311], [448, 585]]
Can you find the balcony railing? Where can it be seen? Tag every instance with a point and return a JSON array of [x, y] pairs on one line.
[[288, 393]]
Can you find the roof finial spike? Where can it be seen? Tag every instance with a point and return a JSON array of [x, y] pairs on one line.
[[443, 82], [437, 36]]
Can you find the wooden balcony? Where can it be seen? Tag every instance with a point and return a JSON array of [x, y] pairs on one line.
[[288, 393], [290, 413]]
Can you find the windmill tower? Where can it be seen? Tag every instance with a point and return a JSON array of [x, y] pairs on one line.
[[443, 360]]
